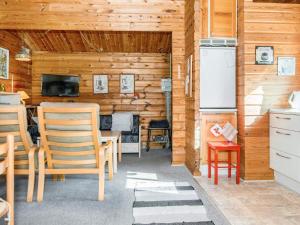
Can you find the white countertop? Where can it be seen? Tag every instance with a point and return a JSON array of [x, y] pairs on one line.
[[286, 111], [218, 110]]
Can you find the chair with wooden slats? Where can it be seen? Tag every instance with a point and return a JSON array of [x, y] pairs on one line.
[[13, 120], [70, 140], [7, 167]]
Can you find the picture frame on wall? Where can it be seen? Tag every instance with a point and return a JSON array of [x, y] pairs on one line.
[[4, 63], [286, 66], [264, 55], [100, 84], [127, 83]]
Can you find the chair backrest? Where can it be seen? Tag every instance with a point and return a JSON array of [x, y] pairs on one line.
[[13, 120], [70, 134], [7, 166]]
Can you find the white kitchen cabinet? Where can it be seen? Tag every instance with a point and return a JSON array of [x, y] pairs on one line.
[[285, 146]]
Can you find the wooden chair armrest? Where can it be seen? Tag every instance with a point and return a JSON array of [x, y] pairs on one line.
[[32, 150], [41, 153]]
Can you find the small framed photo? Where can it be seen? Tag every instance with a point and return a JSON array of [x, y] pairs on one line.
[[264, 55], [127, 83], [100, 84], [286, 66], [4, 63]]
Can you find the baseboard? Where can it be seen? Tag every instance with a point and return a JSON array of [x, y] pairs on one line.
[[221, 171], [287, 182]]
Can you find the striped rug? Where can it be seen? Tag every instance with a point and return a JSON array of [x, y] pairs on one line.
[[168, 203]]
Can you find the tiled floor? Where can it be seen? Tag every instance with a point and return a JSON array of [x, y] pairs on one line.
[[253, 203]]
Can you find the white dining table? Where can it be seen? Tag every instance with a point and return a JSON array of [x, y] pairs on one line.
[[115, 137]]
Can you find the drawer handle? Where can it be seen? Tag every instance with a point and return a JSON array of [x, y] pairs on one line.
[[215, 121], [282, 156], [283, 118], [277, 132]]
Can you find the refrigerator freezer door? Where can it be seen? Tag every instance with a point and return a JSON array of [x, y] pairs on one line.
[[217, 77]]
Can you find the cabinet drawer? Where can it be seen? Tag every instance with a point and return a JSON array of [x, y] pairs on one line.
[[285, 140], [285, 164], [285, 121]]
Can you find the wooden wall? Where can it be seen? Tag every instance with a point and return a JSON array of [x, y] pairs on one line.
[[148, 100], [193, 29], [19, 71], [259, 87], [117, 15]]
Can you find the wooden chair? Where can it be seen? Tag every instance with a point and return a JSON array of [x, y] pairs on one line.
[[70, 139], [7, 166], [13, 120]]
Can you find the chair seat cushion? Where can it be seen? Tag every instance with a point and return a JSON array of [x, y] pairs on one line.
[[105, 122], [122, 121], [128, 137], [10, 99], [159, 124]]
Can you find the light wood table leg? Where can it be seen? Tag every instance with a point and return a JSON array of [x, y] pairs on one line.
[[120, 148], [115, 152]]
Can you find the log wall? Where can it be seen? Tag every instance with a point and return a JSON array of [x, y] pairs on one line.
[[19, 72], [148, 101]]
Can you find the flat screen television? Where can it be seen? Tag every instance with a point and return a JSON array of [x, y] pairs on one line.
[[60, 85]]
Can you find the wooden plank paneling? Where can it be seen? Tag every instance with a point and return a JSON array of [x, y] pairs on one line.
[[259, 87], [193, 27], [19, 72], [117, 15], [149, 68], [223, 18], [97, 41]]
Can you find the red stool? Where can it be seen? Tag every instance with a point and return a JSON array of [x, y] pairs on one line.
[[223, 146]]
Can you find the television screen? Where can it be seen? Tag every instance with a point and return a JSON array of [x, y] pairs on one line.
[[60, 85]]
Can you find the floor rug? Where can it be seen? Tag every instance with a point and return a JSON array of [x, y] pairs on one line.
[[168, 203]]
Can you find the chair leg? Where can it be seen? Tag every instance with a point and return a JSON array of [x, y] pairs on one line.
[[31, 177], [110, 165], [238, 167], [41, 181], [209, 162], [216, 167], [101, 177], [120, 149], [229, 164]]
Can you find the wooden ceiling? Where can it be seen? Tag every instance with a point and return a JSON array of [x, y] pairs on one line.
[[97, 41], [278, 1]]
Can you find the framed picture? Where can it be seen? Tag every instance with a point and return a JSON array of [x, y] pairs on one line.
[[286, 66], [127, 83], [4, 63], [264, 55], [100, 84]]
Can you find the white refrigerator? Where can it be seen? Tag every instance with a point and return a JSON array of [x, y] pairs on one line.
[[217, 78]]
